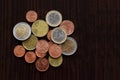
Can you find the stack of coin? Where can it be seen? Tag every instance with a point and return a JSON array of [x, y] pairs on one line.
[[36, 46]]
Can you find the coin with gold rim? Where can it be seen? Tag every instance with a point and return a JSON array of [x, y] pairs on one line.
[[30, 43], [58, 35], [55, 62], [40, 28]]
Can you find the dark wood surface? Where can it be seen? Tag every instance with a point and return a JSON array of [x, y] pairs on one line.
[[97, 32]]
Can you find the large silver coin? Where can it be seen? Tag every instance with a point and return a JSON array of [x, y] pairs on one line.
[[22, 31], [69, 47]]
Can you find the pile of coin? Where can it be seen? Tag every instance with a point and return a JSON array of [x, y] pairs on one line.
[[44, 51]]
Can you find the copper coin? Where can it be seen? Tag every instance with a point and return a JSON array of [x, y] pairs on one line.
[[42, 46], [19, 51], [31, 16], [42, 64], [30, 57], [49, 35], [55, 51], [41, 55], [50, 43], [68, 26]]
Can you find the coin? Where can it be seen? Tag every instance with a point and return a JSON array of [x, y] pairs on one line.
[[22, 31], [30, 43], [69, 47], [55, 51], [42, 64], [53, 18], [49, 35], [50, 43], [31, 16], [19, 51], [68, 26], [30, 57], [40, 28], [41, 55], [58, 35], [42, 46], [55, 62]]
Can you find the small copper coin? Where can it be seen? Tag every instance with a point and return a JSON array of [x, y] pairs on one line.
[[42, 64], [42, 46], [49, 35], [68, 26], [50, 43], [41, 55], [31, 16], [30, 57], [19, 51], [55, 51]]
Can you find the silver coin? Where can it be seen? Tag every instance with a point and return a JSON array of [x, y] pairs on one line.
[[22, 31], [58, 35], [69, 47], [53, 18]]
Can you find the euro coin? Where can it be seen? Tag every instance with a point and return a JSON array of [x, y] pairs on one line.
[[42, 64], [55, 62], [31, 16], [55, 51], [30, 43], [69, 47], [68, 26], [40, 28], [30, 57], [53, 18], [19, 51], [58, 35], [22, 31]]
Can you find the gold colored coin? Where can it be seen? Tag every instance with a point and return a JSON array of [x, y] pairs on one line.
[[55, 62], [30, 43], [40, 28]]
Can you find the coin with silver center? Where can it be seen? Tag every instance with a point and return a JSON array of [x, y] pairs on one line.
[[58, 35], [53, 18], [22, 31]]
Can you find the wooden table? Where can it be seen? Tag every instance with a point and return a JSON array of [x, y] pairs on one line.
[[97, 32]]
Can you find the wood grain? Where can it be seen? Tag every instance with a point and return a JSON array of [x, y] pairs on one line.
[[97, 31]]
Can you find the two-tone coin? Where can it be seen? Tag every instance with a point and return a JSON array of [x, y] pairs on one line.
[[53, 18], [42, 64], [31, 16], [19, 51], [30, 43], [58, 35], [40, 28], [55, 62], [68, 26], [22, 31], [69, 47], [30, 57]]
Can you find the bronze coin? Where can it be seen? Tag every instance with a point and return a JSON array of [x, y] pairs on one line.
[[30, 57], [68, 26], [55, 51], [42, 46], [49, 35], [41, 55], [42, 64], [19, 51], [31, 16]]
